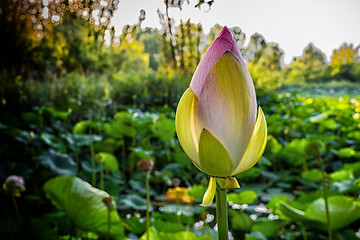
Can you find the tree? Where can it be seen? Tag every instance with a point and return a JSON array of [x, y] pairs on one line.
[[345, 63], [24, 23], [311, 66]]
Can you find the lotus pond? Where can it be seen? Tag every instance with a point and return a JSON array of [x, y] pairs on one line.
[[82, 180]]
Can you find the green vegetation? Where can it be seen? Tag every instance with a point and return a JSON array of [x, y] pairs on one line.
[[78, 114]]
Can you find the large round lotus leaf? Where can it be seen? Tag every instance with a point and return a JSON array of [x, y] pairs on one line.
[[80, 127], [81, 140], [294, 152], [83, 204], [341, 175], [291, 212], [319, 118], [347, 152], [184, 235], [269, 228], [244, 197], [120, 126], [109, 160], [59, 163], [240, 221], [272, 147], [313, 175], [164, 129], [343, 211], [108, 145]]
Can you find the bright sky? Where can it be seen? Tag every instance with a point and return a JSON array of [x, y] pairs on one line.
[[290, 23]]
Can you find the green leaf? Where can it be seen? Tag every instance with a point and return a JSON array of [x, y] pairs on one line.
[[341, 175], [120, 126], [244, 197], [343, 211], [250, 174], [186, 210], [59, 163], [294, 152], [80, 127], [255, 236], [305, 199], [347, 152], [136, 225], [83, 204], [344, 186], [275, 205], [240, 221], [55, 113], [164, 129], [354, 167], [197, 191], [141, 153], [174, 236], [52, 141], [291, 212], [80, 140], [139, 187], [109, 160], [329, 124], [134, 201], [108, 145], [354, 135], [33, 118], [272, 147], [313, 175], [269, 228], [319, 118], [162, 226]]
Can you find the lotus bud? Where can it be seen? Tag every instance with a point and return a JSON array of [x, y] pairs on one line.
[[145, 165], [109, 202], [218, 122], [176, 182], [14, 185]]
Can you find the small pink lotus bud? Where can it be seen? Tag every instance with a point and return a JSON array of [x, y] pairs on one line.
[[14, 185]]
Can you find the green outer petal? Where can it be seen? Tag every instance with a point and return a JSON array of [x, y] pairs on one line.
[[256, 145], [227, 105], [185, 122], [210, 193], [213, 157], [228, 183]]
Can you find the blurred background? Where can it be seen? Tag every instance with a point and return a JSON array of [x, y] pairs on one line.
[[89, 88]]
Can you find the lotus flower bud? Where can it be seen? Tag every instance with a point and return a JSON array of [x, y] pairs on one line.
[[109, 202], [14, 185], [218, 123], [145, 165]]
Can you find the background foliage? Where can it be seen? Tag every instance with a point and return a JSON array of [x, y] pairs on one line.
[[81, 106]]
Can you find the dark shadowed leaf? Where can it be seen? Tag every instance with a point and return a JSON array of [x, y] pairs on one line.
[[59, 163]]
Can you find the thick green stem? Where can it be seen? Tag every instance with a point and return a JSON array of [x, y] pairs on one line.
[[325, 199], [221, 214], [147, 206]]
